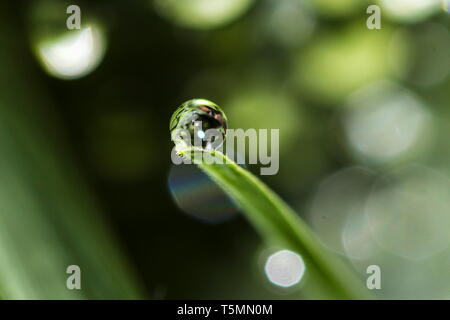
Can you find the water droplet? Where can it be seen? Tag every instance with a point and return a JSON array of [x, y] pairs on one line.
[[200, 123]]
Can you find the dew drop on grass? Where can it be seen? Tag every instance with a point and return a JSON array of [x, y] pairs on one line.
[[200, 123]]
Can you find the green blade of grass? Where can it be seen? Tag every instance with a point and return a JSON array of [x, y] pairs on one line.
[[329, 277], [48, 218]]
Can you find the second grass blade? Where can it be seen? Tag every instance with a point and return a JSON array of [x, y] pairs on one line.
[[329, 277]]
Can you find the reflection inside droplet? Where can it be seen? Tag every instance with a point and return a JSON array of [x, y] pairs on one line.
[[74, 54], [198, 196], [284, 268], [201, 134], [198, 118]]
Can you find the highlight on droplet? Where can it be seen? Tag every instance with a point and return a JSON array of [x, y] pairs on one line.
[[74, 54], [284, 268]]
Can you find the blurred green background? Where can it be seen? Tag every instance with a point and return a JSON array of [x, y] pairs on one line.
[[86, 175]]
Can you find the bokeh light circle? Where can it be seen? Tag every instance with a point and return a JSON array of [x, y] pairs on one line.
[[340, 198], [288, 22], [284, 268], [410, 11], [409, 212], [341, 61], [385, 122], [202, 14], [74, 54]]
